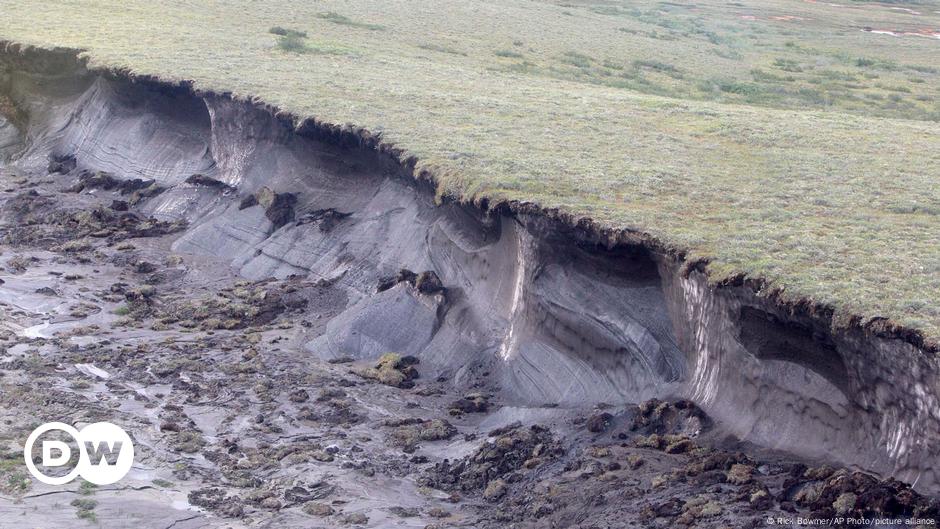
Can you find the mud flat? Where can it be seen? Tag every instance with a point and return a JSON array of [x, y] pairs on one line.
[[295, 332]]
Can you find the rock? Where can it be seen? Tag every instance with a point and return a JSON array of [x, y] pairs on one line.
[[598, 422], [119, 205]]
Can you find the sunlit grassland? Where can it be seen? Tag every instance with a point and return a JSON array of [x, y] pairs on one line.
[[777, 138]]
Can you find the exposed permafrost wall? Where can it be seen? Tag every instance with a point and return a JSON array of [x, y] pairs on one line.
[[541, 310]]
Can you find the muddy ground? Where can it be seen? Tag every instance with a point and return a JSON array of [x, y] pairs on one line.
[[235, 425]]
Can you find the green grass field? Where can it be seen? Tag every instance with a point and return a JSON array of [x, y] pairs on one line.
[[794, 140]]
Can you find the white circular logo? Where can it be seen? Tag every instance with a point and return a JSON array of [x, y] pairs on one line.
[[105, 453]]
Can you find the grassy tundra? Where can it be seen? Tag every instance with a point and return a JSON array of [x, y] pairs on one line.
[[794, 140]]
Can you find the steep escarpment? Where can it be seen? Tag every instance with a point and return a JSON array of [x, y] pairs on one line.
[[522, 302]]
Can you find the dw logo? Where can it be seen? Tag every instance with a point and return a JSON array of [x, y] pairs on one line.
[[105, 453]]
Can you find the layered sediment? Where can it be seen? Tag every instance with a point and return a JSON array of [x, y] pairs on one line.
[[537, 307]]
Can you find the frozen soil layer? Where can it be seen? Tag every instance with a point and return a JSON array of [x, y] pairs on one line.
[[222, 285]]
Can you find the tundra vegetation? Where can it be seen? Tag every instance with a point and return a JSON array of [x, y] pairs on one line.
[[793, 141]]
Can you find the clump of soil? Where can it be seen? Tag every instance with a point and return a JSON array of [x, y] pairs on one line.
[[237, 307], [426, 282], [217, 501], [472, 403], [393, 370], [207, 181], [325, 219], [62, 164], [407, 433], [278, 207], [682, 417], [108, 182], [828, 492], [37, 223], [513, 449]]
